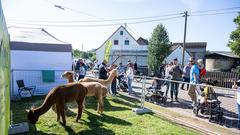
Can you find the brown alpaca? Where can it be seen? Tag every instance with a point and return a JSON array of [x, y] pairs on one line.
[[94, 89], [113, 74], [59, 95], [99, 91]]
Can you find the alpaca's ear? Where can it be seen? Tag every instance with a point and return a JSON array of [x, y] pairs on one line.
[[32, 107]]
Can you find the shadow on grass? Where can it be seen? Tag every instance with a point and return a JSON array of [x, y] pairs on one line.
[[96, 124], [19, 109], [91, 103]]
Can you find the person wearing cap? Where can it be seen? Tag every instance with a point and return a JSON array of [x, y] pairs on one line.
[[194, 79], [120, 68], [176, 76], [103, 70]]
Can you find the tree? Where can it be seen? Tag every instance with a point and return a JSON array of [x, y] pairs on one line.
[[76, 53], [85, 55], [234, 42], [158, 47]]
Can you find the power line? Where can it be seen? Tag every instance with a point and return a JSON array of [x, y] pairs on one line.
[[98, 25], [214, 10], [105, 20], [119, 23], [120, 19], [215, 13], [71, 9], [133, 31]]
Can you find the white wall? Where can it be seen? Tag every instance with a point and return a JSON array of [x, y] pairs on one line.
[[34, 78], [177, 53], [40, 60], [28, 66], [133, 45]]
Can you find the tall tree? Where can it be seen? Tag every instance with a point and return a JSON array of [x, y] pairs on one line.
[[76, 53], [158, 48], [234, 42]]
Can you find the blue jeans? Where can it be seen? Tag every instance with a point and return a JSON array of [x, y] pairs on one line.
[[113, 88], [174, 89], [238, 105], [167, 83], [185, 80], [129, 85]]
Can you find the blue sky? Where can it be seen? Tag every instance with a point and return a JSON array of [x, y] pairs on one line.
[[214, 30]]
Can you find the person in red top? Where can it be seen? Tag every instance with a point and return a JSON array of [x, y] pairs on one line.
[[202, 69]]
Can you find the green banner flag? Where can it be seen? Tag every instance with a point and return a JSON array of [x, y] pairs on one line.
[[108, 46], [4, 76]]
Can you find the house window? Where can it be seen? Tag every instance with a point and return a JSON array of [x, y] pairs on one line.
[[126, 42], [121, 32], [115, 42]]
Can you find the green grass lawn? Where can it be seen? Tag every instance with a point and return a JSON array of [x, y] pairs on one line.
[[117, 118]]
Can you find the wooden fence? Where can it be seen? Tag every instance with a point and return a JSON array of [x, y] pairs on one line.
[[225, 79]]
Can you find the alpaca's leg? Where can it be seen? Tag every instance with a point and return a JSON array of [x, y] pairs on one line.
[[98, 105], [58, 111], [62, 112], [101, 105], [80, 108], [84, 102]]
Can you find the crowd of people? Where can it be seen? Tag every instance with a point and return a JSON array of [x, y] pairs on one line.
[[128, 71], [192, 73]]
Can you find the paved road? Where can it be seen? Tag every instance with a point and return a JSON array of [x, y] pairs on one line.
[[228, 104]]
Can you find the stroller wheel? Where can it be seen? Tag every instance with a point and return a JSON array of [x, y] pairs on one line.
[[195, 111], [202, 111], [210, 117], [164, 99], [220, 116]]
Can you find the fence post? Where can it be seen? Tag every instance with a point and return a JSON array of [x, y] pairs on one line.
[[142, 109], [143, 91]]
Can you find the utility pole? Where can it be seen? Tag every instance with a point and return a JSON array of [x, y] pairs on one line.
[[184, 38], [82, 47]]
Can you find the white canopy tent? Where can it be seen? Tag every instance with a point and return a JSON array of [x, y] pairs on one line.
[[34, 51]]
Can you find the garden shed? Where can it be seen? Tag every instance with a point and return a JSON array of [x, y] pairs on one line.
[[37, 58]]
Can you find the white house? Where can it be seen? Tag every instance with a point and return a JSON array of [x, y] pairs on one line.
[[176, 52], [36, 55], [121, 47]]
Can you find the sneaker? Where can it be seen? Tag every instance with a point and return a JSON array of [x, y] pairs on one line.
[[176, 100], [171, 100]]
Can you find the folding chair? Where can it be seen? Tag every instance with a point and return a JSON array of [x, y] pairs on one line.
[[22, 87]]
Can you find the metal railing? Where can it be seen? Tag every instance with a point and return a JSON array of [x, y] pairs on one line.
[[226, 96], [225, 79]]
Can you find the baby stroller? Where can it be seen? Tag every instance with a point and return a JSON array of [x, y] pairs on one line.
[[155, 94], [122, 83], [208, 103]]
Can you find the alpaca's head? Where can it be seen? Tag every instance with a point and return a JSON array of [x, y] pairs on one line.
[[114, 72], [67, 74], [32, 117]]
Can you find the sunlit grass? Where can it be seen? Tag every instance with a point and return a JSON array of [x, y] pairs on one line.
[[117, 118]]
